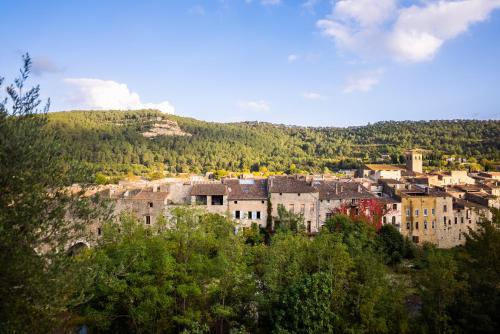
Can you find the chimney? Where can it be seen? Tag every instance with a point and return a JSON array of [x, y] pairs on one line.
[[359, 188], [336, 188]]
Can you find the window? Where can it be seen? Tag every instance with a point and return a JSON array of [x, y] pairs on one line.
[[433, 211], [235, 202], [312, 208], [249, 215], [468, 214], [291, 208], [302, 208], [150, 204], [258, 215], [444, 220], [407, 226], [433, 224], [328, 215], [461, 220], [445, 208], [415, 239], [262, 202], [237, 214], [298, 194], [416, 212], [425, 225], [393, 220], [416, 225], [394, 206], [384, 220], [281, 194], [217, 200], [425, 212], [470, 221], [99, 232], [456, 220], [408, 212], [308, 226], [148, 220]]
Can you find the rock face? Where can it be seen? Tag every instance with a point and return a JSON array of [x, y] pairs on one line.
[[164, 127]]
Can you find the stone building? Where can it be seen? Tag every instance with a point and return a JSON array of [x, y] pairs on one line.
[[247, 201], [210, 196], [381, 171], [422, 212], [336, 195], [414, 161], [298, 195]]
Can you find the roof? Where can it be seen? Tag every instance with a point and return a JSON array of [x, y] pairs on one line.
[[343, 190], [209, 189], [418, 191], [390, 181], [246, 189], [382, 167], [290, 184], [462, 204], [147, 195]]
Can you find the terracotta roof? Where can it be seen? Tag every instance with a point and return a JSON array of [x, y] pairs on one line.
[[343, 190], [246, 189], [290, 184], [209, 189], [382, 167]]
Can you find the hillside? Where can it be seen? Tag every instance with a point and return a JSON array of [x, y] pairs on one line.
[[117, 142]]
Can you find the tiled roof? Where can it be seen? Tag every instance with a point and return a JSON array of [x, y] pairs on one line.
[[246, 189], [382, 167], [343, 190], [290, 184], [209, 189], [462, 204], [147, 195]]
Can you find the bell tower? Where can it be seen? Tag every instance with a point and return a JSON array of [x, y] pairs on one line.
[[414, 161]]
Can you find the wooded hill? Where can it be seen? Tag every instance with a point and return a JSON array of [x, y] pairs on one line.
[[114, 142]]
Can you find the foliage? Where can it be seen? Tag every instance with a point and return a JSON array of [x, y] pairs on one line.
[[112, 143], [392, 243], [35, 284]]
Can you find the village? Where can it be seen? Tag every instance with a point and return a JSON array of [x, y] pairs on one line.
[[437, 208]]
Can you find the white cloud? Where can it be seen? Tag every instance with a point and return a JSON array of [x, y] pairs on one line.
[[292, 57], [313, 96], [414, 33], [309, 5], [363, 82], [108, 94], [270, 2], [254, 106]]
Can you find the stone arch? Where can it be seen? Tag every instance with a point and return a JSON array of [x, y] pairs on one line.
[[77, 247]]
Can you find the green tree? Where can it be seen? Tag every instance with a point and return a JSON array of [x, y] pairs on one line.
[[35, 283]]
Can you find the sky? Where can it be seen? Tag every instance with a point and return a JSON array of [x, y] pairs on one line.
[[303, 62]]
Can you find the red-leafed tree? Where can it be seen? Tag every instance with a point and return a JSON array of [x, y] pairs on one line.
[[370, 210]]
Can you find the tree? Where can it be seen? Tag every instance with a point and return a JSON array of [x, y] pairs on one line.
[[392, 243], [34, 269], [288, 221]]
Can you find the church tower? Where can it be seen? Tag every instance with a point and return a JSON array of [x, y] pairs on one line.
[[414, 161]]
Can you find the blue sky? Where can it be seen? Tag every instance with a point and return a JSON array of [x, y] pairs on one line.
[[326, 63]]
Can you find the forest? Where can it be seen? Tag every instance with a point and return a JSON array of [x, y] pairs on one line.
[[193, 274], [111, 143]]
